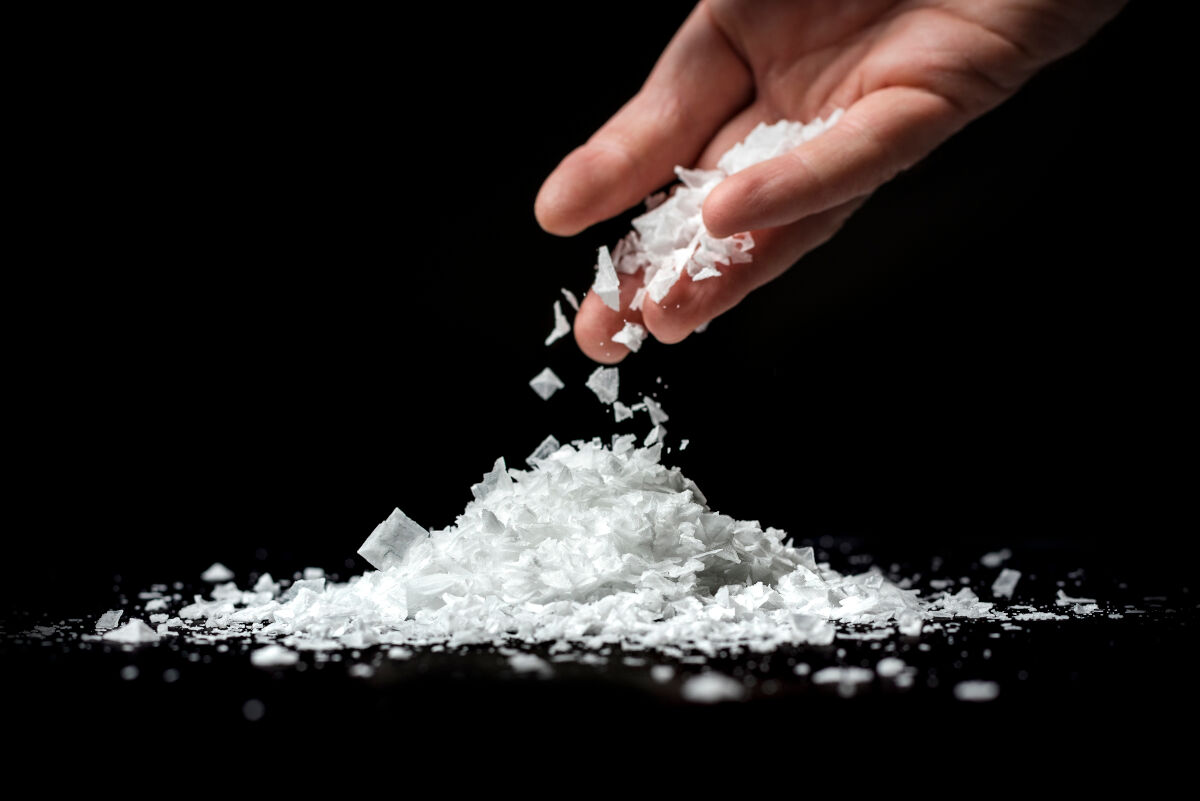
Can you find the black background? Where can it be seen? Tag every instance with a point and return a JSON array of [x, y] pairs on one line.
[[285, 276]]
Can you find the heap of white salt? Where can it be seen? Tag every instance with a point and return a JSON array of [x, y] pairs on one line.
[[670, 238], [593, 546]]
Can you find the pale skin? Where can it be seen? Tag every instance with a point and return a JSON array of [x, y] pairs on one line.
[[908, 74]]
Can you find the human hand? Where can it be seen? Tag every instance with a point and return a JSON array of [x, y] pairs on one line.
[[909, 74]]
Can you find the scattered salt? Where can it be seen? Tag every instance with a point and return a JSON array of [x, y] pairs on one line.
[[108, 620], [621, 411], [606, 285]]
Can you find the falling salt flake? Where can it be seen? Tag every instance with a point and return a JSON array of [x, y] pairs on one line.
[[656, 434], [621, 411], [546, 383], [217, 573], [129, 672], [311, 573], [1005, 583], [606, 285], [631, 336], [548, 446], [700, 329], [655, 410], [274, 656], [995, 558], [108, 620], [712, 688], [572, 301], [361, 671], [390, 540], [683, 443], [976, 690], [561, 326], [1066, 600], [530, 663], [132, 633], [662, 673], [399, 652], [890, 667], [605, 382]]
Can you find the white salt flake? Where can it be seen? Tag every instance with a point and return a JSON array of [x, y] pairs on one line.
[[662, 673], [1066, 600], [848, 679], [274, 655], [361, 671], [390, 540], [631, 336], [132, 633], [655, 410], [890, 667], [1005, 583], [605, 382], [712, 688], [621, 411], [561, 326], [995, 558], [109, 620], [311, 573], [683, 443], [530, 663], [572, 301], [546, 383], [976, 690], [547, 446], [607, 286], [217, 573]]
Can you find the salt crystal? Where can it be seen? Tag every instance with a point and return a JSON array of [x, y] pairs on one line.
[[156, 605], [361, 671], [314, 573], [605, 382], [621, 412], [546, 383], [1005, 583], [976, 690], [266, 584], [802, 669], [132, 633], [530, 663], [995, 558], [683, 443], [273, 656], [109, 620], [606, 285], [548, 446], [848, 679], [890, 667], [159, 618], [655, 435], [655, 410], [129, 672], [217, 573], [561, 326], [631, 336], [399, 652], [390, 540], [1066, 600], [572, 301], [662, 673], [712, 688]]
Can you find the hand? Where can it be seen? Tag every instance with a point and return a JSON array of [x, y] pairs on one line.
[[908, 74]]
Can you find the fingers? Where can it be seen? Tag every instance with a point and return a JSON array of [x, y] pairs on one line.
[[697, 84], [880, 135], [595, 323], [691, 303]]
